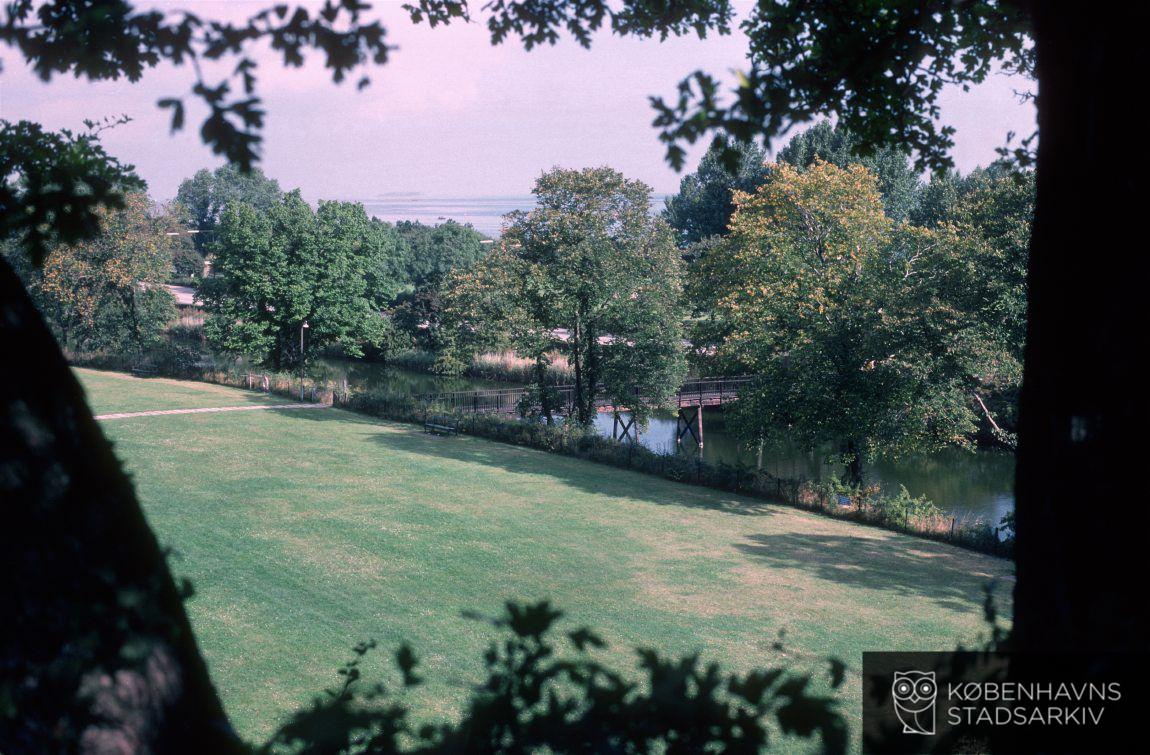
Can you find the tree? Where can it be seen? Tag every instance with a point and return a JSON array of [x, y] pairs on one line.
[[107, 294], [704, 205], [897, 182], [431, 253], [289, 281], [187, 262], [834, 308], [112, 663], [880, 69], [989, 280], [428, 256], [207, 194], [590, 272]]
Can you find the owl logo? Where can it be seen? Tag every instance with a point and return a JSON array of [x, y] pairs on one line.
[[915, 693]]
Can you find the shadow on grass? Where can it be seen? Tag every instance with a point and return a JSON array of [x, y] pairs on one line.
[[917, 569], [587, 476], [886, 562]]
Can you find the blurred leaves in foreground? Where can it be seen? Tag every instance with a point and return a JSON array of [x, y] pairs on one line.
[[544, 692]]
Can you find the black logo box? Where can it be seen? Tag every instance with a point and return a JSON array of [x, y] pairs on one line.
[[1007, 703]]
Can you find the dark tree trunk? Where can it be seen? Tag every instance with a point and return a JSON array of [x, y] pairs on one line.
[[591, 372], [854, 465], [1083, 514], [96, 650], [545, 406], [576, 340], [278, 352]]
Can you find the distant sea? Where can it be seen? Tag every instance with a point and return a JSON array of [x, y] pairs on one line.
[[484, 213]]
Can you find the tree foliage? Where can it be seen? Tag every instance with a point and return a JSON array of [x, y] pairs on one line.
[[428, 255], [897, 182], [106, 294], [855, 325], [879, 70], [992, 216], [431, 252], [591, 273], [54, 185], [548, 693], [289, 280], [704, 203], [205, 195]]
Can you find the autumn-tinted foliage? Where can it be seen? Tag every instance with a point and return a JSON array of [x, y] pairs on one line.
[[866, 334], [108, 293]]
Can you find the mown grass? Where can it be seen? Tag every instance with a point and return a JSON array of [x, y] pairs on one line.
[[306, 532], [114, 392]]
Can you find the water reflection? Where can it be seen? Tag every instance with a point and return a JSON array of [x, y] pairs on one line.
[[963, 483]]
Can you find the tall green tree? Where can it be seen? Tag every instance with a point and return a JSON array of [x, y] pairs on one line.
[[989, 280], [289, 281], [589, 272], [207, 194], [429, 255], [840, 314], [704, 203], [431, 252]]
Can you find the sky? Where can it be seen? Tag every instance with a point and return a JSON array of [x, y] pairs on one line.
[[449, 115]]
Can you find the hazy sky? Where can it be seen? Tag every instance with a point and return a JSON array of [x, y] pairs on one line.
[[449, 116]]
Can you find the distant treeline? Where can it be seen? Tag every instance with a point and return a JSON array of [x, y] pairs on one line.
[[880, 313]]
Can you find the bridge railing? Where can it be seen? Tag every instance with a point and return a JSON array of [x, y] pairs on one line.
[[711, 390], [494, 400], [705, 391]]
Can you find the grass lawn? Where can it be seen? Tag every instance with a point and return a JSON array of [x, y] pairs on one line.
[[110, 392], [305, 532]]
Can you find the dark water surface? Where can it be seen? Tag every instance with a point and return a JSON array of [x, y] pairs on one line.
[[971, 484]]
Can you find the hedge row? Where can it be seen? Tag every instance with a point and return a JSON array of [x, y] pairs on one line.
[[900, 513]]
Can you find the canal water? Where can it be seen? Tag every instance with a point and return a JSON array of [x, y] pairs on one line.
[[967, 484]]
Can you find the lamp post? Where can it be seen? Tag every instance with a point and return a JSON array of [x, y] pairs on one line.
[[303, 326]]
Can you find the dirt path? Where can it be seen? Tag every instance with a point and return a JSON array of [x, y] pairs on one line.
[[209, 410]]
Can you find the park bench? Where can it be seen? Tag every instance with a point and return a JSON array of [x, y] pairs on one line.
[[440, 426], [142, 372]]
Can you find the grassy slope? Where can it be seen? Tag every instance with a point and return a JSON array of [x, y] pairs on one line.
[[305, 532], [110, 392]]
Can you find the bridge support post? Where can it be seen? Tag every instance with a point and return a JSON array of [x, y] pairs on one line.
[[622, 429], [689, 424]]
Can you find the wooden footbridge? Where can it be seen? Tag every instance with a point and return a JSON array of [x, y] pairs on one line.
[[690, 399]]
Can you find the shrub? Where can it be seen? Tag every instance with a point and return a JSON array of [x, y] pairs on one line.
[[902, 512], [171, 359]]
